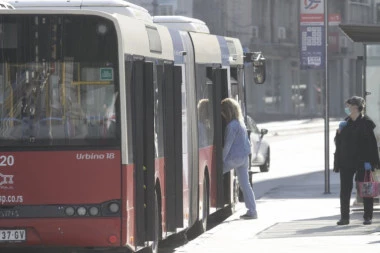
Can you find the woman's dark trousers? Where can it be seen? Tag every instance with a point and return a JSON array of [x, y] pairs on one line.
[[346, 185]]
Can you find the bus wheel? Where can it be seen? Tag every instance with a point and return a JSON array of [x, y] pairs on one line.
[[205, 209], [157, 224]]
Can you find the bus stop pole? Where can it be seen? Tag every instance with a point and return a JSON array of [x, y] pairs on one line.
[[327, 115]]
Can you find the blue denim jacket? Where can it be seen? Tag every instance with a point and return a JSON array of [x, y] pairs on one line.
[[236, 143]]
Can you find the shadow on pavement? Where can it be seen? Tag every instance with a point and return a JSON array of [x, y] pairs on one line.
[[322, 227], [308, 185]]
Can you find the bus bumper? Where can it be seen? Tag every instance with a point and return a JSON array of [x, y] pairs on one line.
[[76, 232]]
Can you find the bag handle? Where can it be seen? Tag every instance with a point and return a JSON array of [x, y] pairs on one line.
[[368, 176]]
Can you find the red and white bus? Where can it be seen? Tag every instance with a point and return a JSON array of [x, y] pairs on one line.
[[110, 127]]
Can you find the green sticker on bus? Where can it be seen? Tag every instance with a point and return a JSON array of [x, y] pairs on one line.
[[106, 74]]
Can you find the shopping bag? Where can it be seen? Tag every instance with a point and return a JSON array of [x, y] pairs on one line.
[[376, 175], [369, 188]]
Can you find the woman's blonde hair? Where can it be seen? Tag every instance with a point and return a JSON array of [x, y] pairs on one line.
[[203, 114], [231, 110]]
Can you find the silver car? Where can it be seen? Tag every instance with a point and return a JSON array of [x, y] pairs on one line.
[[260, 149]]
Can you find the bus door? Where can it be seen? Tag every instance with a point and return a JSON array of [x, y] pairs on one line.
[[144, 149], [173, 146], [191, 173], [226, 177], [220, 92]]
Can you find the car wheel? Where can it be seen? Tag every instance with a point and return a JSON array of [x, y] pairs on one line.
[[265, 166]]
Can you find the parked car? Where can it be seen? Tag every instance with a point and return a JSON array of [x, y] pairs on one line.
[[260, 155]]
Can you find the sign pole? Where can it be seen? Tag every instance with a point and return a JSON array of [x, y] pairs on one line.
[[327, 97]]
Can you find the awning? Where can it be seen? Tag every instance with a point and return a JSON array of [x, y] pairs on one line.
[[362, 33]]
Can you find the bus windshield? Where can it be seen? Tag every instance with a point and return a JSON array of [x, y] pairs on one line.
[[58, 81]]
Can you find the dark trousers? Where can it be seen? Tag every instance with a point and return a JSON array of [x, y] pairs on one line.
[[346, 185]]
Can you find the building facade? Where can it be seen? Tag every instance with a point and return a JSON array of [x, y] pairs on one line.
[[273, 27], [291, 92]]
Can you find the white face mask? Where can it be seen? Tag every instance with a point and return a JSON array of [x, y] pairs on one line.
[[347, 111]]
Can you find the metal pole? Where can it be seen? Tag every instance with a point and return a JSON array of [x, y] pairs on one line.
[[327, 115]]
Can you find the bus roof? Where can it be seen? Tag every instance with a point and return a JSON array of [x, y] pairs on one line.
[[5, 5], [109, 6], [182, 23], [134, 32]]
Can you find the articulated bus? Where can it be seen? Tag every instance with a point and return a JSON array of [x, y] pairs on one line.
[[110, 127]]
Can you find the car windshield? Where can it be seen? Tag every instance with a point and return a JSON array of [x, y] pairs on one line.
[[58, 81]]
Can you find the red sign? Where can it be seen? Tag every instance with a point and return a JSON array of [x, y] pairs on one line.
[[312, 18], [335, 19], [333, 46]]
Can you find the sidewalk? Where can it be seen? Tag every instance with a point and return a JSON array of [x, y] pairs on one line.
[[292, 218]]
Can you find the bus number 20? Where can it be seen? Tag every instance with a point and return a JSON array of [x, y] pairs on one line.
[[7, 160]]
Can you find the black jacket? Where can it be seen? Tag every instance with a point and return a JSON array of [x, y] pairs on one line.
[[356, 144]]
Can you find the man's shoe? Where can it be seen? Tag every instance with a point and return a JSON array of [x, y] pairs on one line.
[[343, 222], [248, 216], [367, 222]]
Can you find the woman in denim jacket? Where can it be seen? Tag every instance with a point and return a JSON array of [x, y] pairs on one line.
[[236, 152]]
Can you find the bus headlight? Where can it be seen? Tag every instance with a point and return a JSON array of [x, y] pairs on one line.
[[114, 207], [69, 211], [81, 211], [94, 211], [101, 29]]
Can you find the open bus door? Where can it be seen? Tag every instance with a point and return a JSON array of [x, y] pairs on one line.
[[144, 147], [143, 114], [220, 81], [226, 184], [173, 146]]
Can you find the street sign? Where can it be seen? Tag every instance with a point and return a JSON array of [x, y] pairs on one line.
[[312, 50], [312, 46], [106, 74]]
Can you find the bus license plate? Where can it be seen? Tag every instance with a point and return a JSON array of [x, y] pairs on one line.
[[12, 235]]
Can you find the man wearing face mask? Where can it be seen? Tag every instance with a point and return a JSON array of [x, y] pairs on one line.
[[356, 151]]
